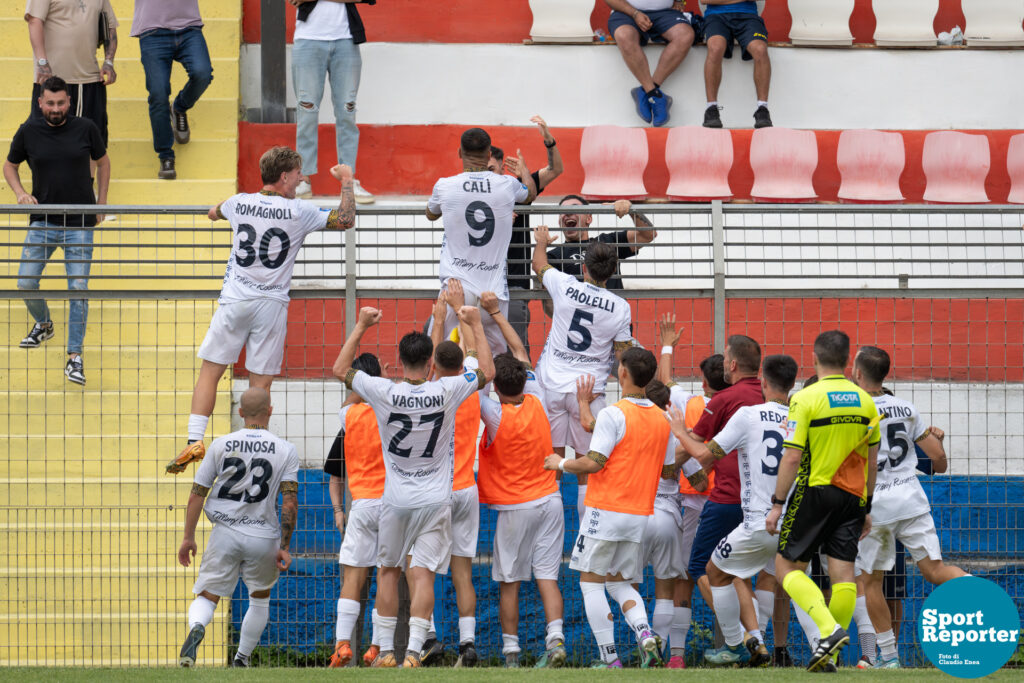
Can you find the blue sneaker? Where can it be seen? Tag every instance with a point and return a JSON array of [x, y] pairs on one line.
[[893, 663], [727, 655], [660, 104], [643, 107]]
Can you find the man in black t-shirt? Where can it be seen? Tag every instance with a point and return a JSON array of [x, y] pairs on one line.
[[58, 148], [520, 249]]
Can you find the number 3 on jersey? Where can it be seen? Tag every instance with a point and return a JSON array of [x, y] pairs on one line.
[[246, 253]]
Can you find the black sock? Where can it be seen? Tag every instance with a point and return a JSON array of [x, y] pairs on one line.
[[655, 92]]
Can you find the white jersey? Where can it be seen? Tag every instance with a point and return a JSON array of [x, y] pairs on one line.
[[586, 322], [417, 432], [477, 212], [898, 493], [756, 434], [268, 231], [244, 471]]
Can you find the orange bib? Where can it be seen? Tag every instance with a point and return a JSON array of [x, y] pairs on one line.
[[364, 457], [512, 467], [467, 429]]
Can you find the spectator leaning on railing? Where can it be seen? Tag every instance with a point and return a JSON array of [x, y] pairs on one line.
[[171, 31], [725, 20], [58, 148], [636, 22]]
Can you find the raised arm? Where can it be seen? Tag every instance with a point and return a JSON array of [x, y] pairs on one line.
[[368, 317], [347, 201], [669, 338], [439, 313], [526, 178], [471, 316], [541, 241], [489, 302], [555, 167]]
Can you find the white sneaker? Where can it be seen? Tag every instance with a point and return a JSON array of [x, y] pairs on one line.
[[361, 195], [304, 189]]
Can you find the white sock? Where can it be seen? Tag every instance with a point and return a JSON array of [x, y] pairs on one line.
[[387, 632], [727, 609], [762, 103], [711, 104], [810, 629], [865, 631], [623, 592], [887, 644], [200, 612], [432, 631], [756, 634], [253, 623], [765, 606], [375, 618], [197, 426], [348, 613], [680, 627], [661, 619], [509, 644], [467, 629], [581, 496], [599, 615], [417, 633], [554, 633]]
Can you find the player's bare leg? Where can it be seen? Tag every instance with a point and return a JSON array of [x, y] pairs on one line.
[[204, 398], [465, 599], [352, 582], [508, 616], [780, 627], [200, 614], [878, 612], [633, 609], [938, 572], [554, 641]]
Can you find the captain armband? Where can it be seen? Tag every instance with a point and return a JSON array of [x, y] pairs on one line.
[[199, 490], [289, 487], [691, 467], [716, 450], [598, 458], [350, 377]]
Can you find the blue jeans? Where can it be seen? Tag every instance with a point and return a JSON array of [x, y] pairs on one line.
[[39, 247], [312, 61], [160, 48]]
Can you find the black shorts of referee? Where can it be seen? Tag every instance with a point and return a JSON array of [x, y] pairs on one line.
[[821, 518]]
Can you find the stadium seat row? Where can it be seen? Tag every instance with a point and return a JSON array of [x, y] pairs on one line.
[[899, 23], [784, 160]]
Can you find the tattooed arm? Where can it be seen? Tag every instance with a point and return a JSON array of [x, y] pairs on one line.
[[344, 217], [289, 515], [107, 72], [188, 548]]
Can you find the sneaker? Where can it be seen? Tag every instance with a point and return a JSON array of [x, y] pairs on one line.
[[553, 657], [342, 655], [650, 650], [304, 189], [39, 333], [660, 104], [782, 657], [512, 660], [893, 663], [240, 663], [467, 655], [676, 662], [370, 655], [74, 370], [727, 655], [361, 195], [758, 652], [711, 117], [865, 663], [601, 664], [643, 107], [828, 647], [187, 657], [829, 667], [167, 171], [432, 652], [762, 119], [194, 452], [385, 660], [412, 661], [179, 122]]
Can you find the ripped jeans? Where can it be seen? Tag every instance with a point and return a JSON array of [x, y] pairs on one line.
[[40, 243], [312, 62]]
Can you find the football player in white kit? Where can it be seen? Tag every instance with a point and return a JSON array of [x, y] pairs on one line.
[[900, 510], [477, 206], [416, 419], [268, 229], [245, 470], [756, 434], [589, 330]]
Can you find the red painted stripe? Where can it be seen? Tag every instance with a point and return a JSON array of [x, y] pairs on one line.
[[479, 21], [409, 159], [979, 340]]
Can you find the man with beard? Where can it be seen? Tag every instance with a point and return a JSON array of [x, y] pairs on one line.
[[58, 149]]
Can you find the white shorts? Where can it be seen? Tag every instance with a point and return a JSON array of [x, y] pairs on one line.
[[465, 521], [229, 553], [746, 552], [359, 546], [607, 557], [529, 540], [564, 416], [428, 528], [495, 338], [877, 551], [258, 325], [662, 546]]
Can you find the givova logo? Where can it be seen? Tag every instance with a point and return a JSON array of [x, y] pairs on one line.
[[843, 399], [969, 627]]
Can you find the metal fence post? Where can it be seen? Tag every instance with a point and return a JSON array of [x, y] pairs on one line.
[[350, 281], [718, 252]]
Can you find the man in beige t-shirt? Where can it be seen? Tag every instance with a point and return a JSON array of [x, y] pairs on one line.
[[64, 36]]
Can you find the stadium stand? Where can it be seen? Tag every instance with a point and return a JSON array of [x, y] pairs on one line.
[[870, 163], [821, 23], [993, 23], [783, 161], [698, 161], [613, 160], [904, 23], [955, 166], [567, 21], [1015, 167]]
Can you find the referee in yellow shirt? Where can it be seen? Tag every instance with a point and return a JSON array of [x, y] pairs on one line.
[[831, 438]]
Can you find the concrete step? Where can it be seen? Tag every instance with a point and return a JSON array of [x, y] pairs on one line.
[[184, 191], [95, 455], [162, 489], [140, 321]]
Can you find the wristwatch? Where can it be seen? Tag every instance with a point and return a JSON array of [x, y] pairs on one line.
[[776, 501], [42, 62], [551, 144]]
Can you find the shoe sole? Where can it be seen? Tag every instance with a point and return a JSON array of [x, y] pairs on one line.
[[165, 176], [363, 200], [76, 380], [813, 665], [557, 659], [713, 125], [339, 662]]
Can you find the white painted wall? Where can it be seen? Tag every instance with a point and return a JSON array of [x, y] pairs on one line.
[[499, 84]]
